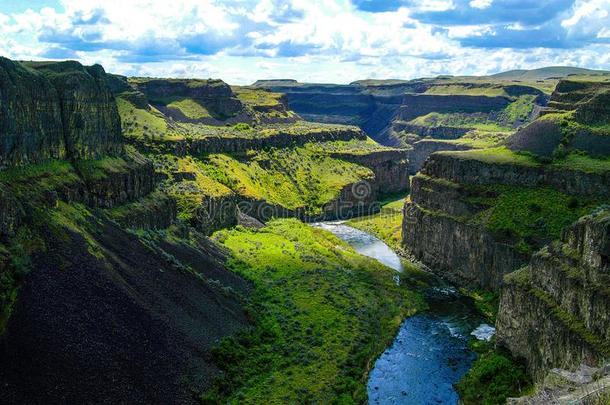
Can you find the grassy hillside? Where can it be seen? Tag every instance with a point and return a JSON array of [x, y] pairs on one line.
[[322, 312], [292, 178], [546, 73], [386, 225]]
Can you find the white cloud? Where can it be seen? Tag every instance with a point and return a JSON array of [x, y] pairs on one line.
[[480, 4], [317, 40]]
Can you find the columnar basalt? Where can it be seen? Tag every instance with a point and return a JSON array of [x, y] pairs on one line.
[[554, 312]]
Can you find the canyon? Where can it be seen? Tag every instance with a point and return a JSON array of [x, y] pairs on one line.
[[141, 230]]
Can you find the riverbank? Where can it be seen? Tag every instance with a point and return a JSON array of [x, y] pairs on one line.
[[321, 314], [385, 225], [431, 351], [491, 375]]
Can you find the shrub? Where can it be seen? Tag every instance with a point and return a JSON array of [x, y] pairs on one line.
[[492, 379]]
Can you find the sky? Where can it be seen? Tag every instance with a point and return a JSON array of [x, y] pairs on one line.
[[334, 41]]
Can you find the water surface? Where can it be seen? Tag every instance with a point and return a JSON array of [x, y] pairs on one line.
[[430, 352]]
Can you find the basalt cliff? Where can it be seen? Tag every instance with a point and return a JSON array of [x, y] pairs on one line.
[[528, 218]]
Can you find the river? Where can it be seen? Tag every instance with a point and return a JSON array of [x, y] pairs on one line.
[[430, 352]]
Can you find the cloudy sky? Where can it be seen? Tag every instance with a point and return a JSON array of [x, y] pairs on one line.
[[309, 40]]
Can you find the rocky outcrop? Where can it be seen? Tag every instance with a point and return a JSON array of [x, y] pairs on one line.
[[55, 111], [584, 386], [436, 231], [391, 168], [155, 211], [554, 313], [541, 137], [215, 95], [376, 106], [415, 105], [588, 104], [424, 148], [90, 119], [30, 120], [456, 168], [279, 139], [438, 225], [437, 132], [216, 212]]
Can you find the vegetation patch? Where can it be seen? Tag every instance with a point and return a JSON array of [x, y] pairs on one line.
[[144, 124], [493, 378], [467, 90], [478, 121], [293, 178], [257, 97], [322, 314], [385, 225], [530, 216], [190, 108], [498, 155]]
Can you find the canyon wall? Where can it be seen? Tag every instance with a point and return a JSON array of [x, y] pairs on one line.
[[56, 111], [441, 227], [555, 312]]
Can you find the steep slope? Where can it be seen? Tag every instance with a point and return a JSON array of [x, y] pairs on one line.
[[576, 119], [554, 312], [477, 215], [91, 311], [56, 110], [271, 164]]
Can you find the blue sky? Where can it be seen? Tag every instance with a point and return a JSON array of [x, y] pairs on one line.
[[309, 40]]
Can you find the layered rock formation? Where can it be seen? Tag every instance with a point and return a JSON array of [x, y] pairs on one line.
[[467, 170], [56, 111], [277, 139], [426, 147], [441, 227], [573, 121], [31, 128], [383, 108], [554, 313], [391, 168], [215, 95], [436, 230]]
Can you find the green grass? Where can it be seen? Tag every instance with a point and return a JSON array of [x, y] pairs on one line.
[[584, 163], [518, 110], [257, 97], [493, 378], [497, 155], [140, 123], [293, 178], [322, 315], [516, 113], [386, 225], [465, 90], [479, 121], [34, 182], [190, 108], [353, 147], [482, 139], [530, 217]]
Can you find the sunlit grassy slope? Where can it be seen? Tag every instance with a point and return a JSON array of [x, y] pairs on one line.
[[293, 178], [322, 312], [386, 225]]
